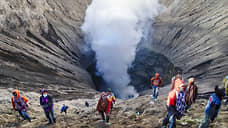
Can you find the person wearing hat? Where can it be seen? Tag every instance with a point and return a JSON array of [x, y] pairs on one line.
[[47, 104], [19, 104], [213, 107]]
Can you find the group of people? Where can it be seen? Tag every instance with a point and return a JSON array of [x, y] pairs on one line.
[[180, 99], [20, 104], [182, 96]]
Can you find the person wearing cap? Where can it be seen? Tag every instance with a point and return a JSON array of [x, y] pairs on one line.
[[213, 107], [19, 104], [156, 83], [47, 104]]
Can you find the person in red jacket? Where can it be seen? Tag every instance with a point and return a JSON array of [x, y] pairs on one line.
[[19, 103], [104, 106], [173, 114], [156, 83]]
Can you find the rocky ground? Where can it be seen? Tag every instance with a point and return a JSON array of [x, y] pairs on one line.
[[41, 46], [123, 116]]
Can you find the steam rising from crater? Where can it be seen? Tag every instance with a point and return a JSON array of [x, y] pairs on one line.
[[113, 29]]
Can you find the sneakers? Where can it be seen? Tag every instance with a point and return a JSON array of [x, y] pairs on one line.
[[101, 120], [49, 123], [108, 123], [156, 100]]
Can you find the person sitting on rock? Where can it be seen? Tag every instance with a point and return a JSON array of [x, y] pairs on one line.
[[47, 104], [190, 93], [64, 109], [112, 97], [213, 107], [156, 82], [19, 104], [104, 106]]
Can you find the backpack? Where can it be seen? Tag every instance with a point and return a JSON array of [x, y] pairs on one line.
[[180, 103], [102, 103], [191, 94]]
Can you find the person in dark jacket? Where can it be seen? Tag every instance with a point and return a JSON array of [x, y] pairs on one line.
[[213, 107], [19, 104], [47, 104]]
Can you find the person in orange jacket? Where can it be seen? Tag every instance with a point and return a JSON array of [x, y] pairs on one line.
[[177, 81], [19, 103], [156, 82]]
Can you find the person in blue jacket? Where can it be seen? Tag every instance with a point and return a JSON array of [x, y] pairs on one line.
[[213, 107], [64, 109]]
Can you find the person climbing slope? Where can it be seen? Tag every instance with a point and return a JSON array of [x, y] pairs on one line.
[[112, 97], [172, 111], [47, 104], [175, 106], [191, 93], [156, 83], [213, 107], [19, 104], [104, 106]]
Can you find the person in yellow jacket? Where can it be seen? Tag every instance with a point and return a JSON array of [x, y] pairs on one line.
[[225, 85], [111, 97]]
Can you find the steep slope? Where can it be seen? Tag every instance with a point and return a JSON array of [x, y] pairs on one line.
[[193, 35], [41, 45]]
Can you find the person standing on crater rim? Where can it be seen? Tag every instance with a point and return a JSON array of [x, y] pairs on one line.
[[19, 104], [47, 104], [156, 83]]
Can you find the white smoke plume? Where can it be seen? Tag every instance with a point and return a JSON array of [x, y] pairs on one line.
[[114, 28]]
